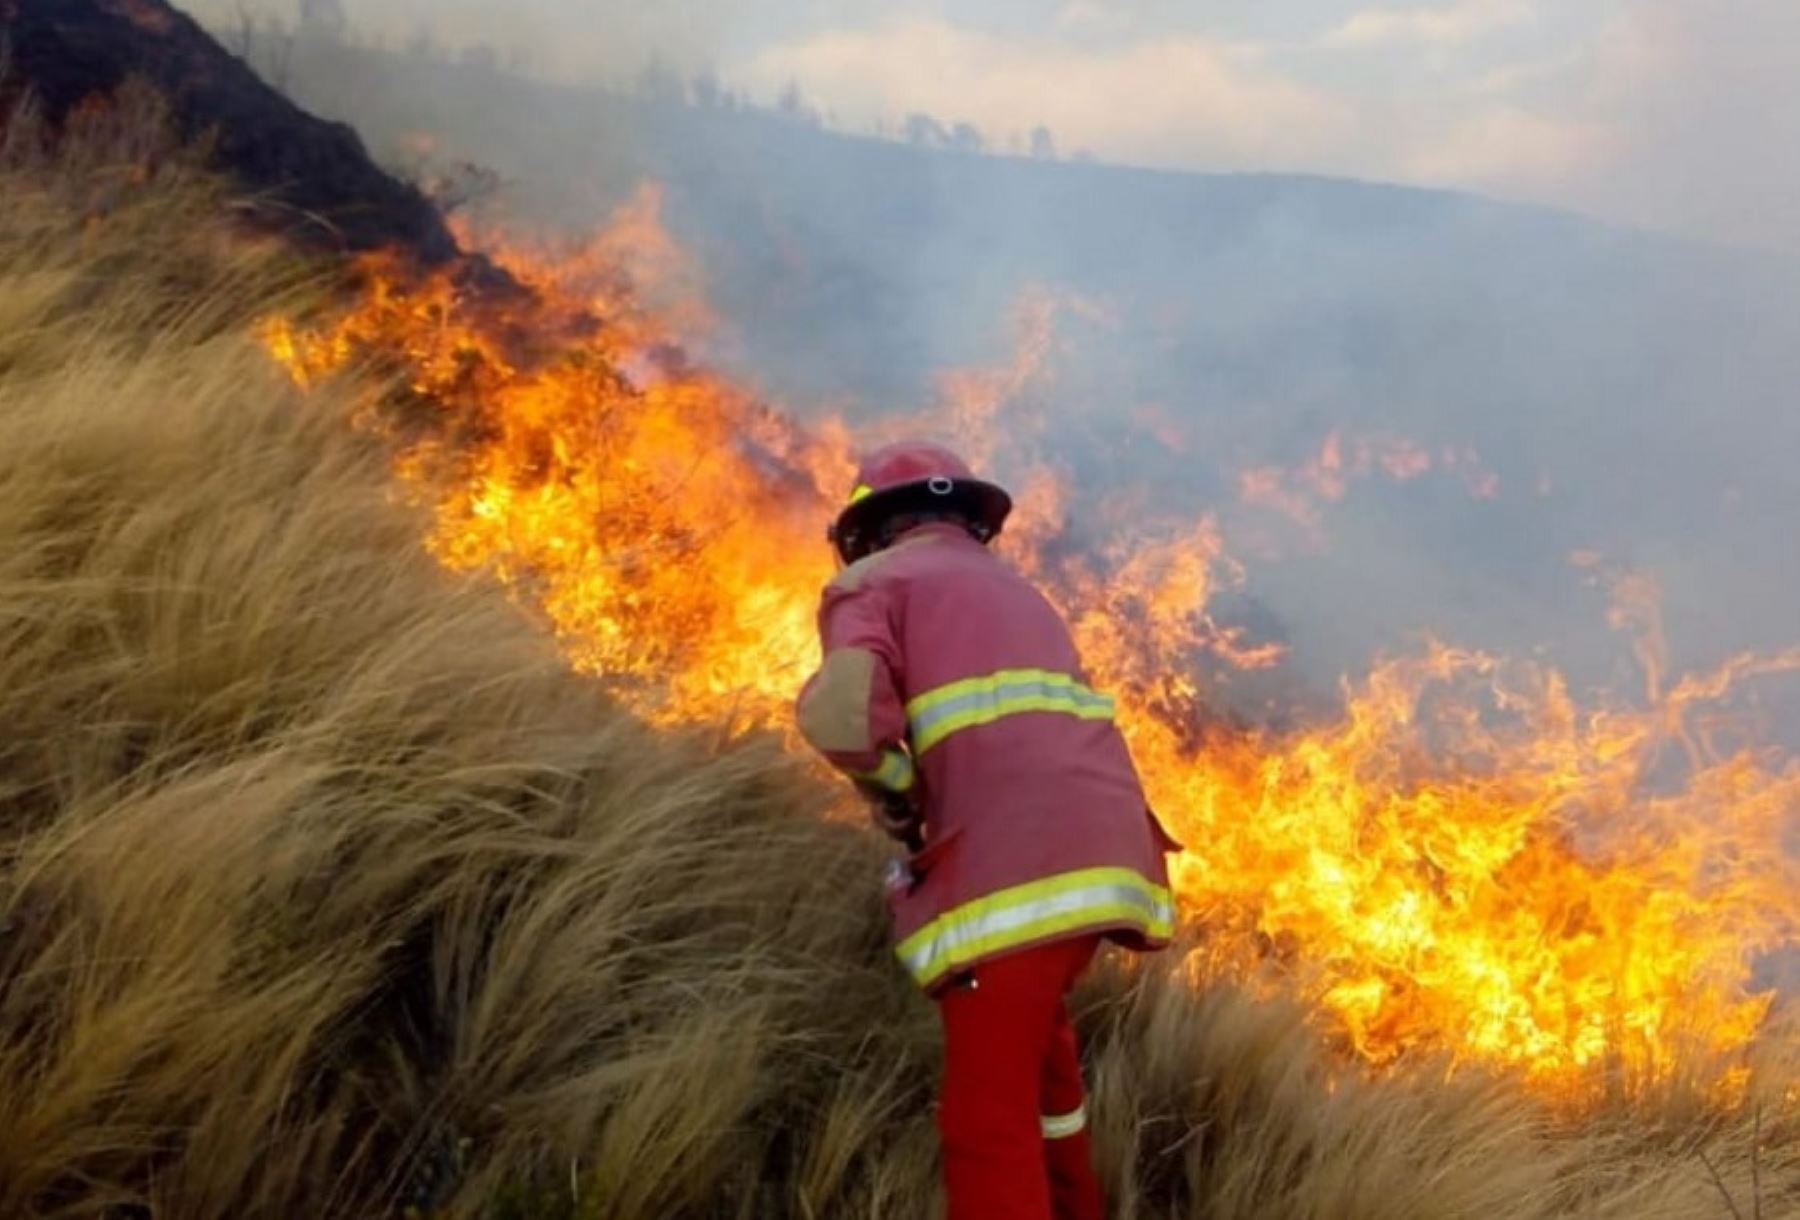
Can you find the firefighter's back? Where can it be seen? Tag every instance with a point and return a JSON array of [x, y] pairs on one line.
[[1027, 781]]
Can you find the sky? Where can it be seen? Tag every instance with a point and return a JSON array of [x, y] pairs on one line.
[[1680, 115]]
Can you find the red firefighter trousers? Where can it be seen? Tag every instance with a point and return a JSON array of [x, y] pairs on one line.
[[1012, 1115]]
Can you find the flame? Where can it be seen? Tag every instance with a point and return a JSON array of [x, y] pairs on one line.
[[1301, 492], [1465, 861], [663, 521]]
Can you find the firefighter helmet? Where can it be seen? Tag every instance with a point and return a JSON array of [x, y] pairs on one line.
[[915, 477]]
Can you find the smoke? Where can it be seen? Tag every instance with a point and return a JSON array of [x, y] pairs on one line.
[[1407, 410], [1700, 100], [1656, 112], [564, 39]]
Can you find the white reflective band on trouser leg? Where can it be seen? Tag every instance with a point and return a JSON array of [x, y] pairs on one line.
[[1062, 1126]]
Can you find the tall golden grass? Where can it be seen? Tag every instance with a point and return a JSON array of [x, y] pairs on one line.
[[326, 890]]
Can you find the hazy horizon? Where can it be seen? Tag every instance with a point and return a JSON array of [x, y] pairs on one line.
[[1645, 112]]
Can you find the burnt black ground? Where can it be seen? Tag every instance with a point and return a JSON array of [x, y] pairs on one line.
[[313, 178]]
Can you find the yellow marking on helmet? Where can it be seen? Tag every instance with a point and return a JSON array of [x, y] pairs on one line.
[[863, 492]]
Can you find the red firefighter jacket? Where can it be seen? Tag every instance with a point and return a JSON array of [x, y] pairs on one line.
[[947, 675]]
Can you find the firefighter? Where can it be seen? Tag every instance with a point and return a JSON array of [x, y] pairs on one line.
[[951, 692]]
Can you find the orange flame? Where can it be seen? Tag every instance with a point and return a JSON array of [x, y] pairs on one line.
[[1301, 493], [1465, 861]]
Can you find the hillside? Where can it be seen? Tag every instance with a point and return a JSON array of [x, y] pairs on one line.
[[1627, 393], [309, 179], [357, 862], [328, 888]]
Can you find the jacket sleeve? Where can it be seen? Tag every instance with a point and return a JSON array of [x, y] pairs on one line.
[[851, 710]]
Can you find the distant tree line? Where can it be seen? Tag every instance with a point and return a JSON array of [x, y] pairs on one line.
[[661, 84], [269, 44]]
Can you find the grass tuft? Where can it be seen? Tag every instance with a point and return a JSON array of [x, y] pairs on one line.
[[327, 890]]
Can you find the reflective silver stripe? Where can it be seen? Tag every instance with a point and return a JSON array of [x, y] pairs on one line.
[[937, 714], [1026, 913], [1062, 1126]]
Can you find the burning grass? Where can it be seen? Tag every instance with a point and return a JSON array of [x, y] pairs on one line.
[[1469, 860], [326, 888]]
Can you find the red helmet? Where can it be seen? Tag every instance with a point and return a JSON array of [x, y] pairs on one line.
[[915, 477]]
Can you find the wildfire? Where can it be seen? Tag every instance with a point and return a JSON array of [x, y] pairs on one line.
[[1465, 861], [1299, 494]]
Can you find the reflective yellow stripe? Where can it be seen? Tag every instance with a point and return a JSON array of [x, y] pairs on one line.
[[1062, 1126], [1068, 902], [938, 713], [863, 492], [896, 773]]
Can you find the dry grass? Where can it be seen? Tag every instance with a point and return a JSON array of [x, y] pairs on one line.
[[326, 890]]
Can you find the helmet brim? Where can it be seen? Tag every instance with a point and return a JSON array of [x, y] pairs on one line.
[[987, 506]]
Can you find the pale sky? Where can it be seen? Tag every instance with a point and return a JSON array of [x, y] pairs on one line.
[[1677, 114]]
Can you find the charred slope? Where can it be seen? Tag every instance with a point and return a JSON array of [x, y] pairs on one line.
[[324, 187]]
